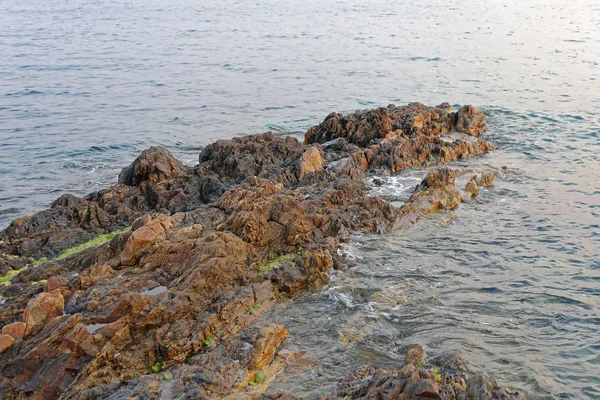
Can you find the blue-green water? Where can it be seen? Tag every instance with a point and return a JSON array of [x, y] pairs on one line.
[[513, 282]]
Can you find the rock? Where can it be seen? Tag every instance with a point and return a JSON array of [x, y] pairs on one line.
[[268, 342], [263, 156], [153, 166], [423, 389], [96, 274], [487, 179], [143, 238], [6, 342], [364, 127], [56, 282], [16, 330], [41, 309], [310, 162], [415, 355], [506, 394], [435, 193], [470, 121], [418, 380], [439, 178], [472, 189], [480, 387]]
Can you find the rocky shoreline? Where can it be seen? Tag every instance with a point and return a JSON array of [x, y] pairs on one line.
[[152, 288]]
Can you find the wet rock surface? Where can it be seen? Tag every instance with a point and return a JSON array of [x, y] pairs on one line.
[[166, 307]]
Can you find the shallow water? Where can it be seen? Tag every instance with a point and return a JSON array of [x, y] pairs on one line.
[[513, 282]]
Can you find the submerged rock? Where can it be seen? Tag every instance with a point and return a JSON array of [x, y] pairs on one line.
[[259, 217]]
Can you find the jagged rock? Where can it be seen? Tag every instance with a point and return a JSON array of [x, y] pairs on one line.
[[310, 162], [470, 121], [41, 309], [487, 179], [472, 189], [435, 193], [154, 165], [96, 274], [421, 380]]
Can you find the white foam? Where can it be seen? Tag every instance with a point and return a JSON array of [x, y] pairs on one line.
[[393, 187]]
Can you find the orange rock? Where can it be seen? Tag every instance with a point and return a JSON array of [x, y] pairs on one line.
[[143, 238], [270, 339], [470, 121], [310, 162], [41, 309], [487, 179], [6, 342], [16, 330]]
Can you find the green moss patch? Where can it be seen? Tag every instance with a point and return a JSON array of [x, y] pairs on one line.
[[97, 241], [266, 267], [5, 280]]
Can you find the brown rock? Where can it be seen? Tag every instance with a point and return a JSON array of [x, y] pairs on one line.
[[310, 162], [472, 189], [92, 305], [96, 274], [41, 309], [56, 282], [259, 215], [440, 177], [6, 342], [269, 341], [415, 355], [141, 239], [16, 330], [487, 179], [470, 121], [423, 389], [154, 165]]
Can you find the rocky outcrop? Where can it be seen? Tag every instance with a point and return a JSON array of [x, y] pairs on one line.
[[447, 378], [154, 165], [170, 307]]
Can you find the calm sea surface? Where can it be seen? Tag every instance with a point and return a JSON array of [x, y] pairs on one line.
[[513, 283]]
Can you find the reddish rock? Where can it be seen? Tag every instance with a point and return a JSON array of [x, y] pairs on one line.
[[143, 238], [435, 193], [56, 282], [16, 330], [423, 389], [41, 309], [6, 342]]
